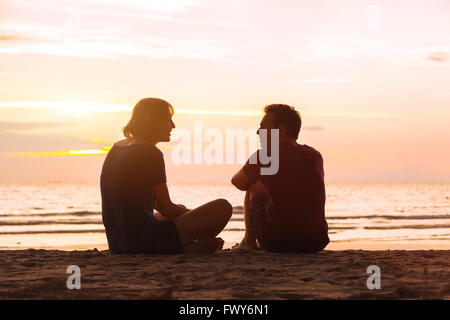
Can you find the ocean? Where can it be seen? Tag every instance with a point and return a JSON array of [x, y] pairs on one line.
[[360, 216]]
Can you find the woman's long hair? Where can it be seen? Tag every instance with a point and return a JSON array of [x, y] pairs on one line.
[[145, 117]]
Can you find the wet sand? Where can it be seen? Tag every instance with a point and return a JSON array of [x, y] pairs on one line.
[[41, 274]]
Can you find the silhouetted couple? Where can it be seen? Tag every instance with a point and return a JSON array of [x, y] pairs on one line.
[[282, 211]]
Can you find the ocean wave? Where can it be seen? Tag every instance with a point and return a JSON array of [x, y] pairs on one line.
[[52, 214], [63, 222], [331, 228], [391, 217], [419, 226], [236, 210], [48, 222], [52, 231]]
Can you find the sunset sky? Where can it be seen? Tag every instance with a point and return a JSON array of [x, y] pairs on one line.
[[371, 80]]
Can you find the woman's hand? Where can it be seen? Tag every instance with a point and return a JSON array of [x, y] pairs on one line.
[[163, 203], [183, 208]]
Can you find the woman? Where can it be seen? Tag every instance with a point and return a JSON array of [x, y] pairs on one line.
[[133, 184]]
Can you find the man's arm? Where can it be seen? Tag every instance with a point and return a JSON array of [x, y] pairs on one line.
[[240, 180]]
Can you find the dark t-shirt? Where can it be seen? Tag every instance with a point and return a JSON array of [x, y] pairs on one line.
[[296, 207], [127, 178]]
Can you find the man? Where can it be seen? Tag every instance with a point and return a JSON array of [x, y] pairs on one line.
[[284, 211]]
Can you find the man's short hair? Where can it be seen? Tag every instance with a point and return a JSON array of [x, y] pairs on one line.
[[286, 116]]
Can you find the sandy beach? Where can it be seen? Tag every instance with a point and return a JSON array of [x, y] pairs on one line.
[[41, 274]]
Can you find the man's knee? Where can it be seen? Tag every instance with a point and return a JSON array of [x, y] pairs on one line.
[[257, 188]]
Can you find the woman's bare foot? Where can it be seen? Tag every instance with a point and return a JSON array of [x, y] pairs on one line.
[[213, 244], [204, 246], [246, 245]]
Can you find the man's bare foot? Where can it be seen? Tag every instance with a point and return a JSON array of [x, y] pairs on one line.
[[204, 246], [246, 245]]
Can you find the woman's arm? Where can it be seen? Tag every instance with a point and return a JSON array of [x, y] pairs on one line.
[[163, 203]]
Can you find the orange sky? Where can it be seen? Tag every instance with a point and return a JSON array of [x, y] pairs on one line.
[[370, 79]]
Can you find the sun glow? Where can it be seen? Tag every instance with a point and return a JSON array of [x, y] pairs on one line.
[[86, 152], [75, 152]]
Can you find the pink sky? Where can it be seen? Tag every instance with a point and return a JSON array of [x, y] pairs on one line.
[[371, 80]]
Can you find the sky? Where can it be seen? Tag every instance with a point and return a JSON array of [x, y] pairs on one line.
[[370, 79]]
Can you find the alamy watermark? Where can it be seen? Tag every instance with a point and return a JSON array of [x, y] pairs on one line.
[[374, 17], [74, 280], [374, 281], [213, 146]]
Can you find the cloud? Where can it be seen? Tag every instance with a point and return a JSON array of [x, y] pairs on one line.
[[14, 142], [6, 37], [86, 38], [143, 5], [9, 38], [313, 128], [87, 106], [99, 45], [438, 56], [6, 126]]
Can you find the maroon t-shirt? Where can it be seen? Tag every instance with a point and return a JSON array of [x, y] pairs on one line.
[[296, 208]]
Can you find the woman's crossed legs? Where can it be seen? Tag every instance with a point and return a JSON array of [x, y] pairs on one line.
[[199, 227]]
